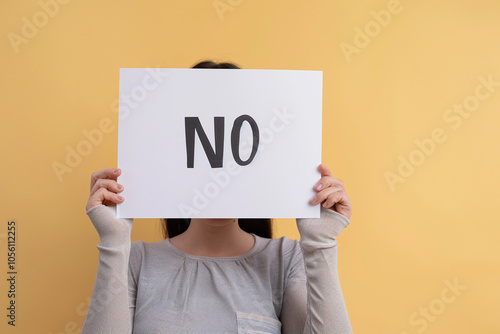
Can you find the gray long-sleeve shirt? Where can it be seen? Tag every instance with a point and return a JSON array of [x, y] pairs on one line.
[[279, 286]]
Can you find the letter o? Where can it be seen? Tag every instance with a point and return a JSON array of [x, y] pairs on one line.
[[44, 16], [414, 155], [80, 148], [207, 192], [267, 136], [369, 31], [142, 91], [103, 298], [474, 105], [440, 306], [235, 139]]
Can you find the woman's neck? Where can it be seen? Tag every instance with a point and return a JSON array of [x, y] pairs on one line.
[[214, 238]]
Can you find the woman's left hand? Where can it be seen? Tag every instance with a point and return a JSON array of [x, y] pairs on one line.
[[331, 193]]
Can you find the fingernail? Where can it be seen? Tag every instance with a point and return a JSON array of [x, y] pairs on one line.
[[318, 186], [117, 170], [120, 198], [120, 187], [324, 205], [313, 200]]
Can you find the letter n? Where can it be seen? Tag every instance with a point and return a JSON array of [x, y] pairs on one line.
[[193, 125]]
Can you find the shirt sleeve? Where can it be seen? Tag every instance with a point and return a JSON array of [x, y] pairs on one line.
[[316, 304], [110, 308]]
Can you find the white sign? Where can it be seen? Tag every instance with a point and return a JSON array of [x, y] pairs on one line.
[[219, 143]]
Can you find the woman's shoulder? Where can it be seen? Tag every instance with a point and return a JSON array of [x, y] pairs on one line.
[[140, 248], [283, 255], [148, 255], [282, 241], [136, 252], [283, 248]]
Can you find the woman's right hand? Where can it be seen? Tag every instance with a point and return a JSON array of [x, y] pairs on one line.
[[101, 208], [104, 189]]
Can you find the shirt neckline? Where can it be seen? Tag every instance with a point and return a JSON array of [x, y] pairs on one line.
[[256, 247]]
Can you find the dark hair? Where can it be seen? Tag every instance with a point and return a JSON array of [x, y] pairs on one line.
[[214, 65], [260, 227]]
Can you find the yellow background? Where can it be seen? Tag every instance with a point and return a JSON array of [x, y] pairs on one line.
[[440, 224]]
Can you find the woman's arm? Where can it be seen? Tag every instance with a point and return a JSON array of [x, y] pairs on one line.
[[313, 303], [326, 310], [109, 311]]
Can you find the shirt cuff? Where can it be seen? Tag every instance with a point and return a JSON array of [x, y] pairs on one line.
[[322, 232], [113, 231]]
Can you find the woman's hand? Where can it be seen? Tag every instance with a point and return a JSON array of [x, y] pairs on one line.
[[104, 189], [331, 193], [113, 232]]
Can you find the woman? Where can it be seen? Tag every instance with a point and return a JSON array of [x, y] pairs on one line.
[[215, 277]]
